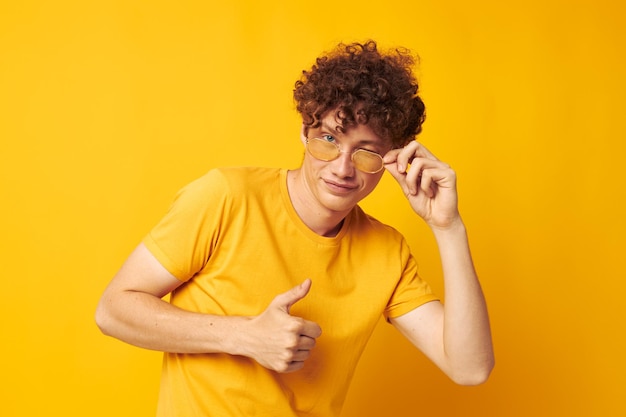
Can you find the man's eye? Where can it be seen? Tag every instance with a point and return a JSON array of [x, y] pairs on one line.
[[328, 138]]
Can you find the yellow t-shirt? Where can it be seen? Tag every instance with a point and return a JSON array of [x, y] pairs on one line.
[[235, 239]]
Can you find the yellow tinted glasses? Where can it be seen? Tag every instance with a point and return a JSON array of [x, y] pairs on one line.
[[364, 160]]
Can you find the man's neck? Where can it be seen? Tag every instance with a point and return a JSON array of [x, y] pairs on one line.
[[319, 219]]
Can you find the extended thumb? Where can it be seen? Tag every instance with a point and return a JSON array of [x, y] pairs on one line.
[[297, 293]]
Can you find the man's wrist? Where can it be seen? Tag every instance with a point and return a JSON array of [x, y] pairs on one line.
[[454, 227]]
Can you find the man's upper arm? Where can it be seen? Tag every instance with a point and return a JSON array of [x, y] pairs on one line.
[[142, 272], [423, 327]]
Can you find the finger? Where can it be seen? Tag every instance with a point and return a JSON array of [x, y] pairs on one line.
[[292, 367], [406, 155], [440, 177], [297, 361], [426, 183], [301, 355], [416, 175], [310, 329], [287, 299], [422, 152], [306, 343], [391, 166], [391, 156], [413, 176]]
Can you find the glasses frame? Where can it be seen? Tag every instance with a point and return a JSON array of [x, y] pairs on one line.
[[352, 154]]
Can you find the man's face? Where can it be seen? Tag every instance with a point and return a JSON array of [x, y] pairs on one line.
[[338, 185]]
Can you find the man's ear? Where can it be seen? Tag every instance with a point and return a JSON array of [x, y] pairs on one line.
[[303, 133]]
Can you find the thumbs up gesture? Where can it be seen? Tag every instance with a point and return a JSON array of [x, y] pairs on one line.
[[278, 340]]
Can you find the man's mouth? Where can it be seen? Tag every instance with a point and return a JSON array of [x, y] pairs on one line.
[[339, 187]]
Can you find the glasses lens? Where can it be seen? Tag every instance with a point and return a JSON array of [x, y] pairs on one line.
[[367, 161], [322, 149]]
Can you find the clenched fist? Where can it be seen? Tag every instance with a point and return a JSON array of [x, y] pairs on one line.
[[278, 340]]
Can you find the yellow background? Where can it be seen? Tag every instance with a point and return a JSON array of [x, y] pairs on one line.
[[107, 108]]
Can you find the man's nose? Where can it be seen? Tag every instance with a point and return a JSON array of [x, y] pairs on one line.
[[343, 166]]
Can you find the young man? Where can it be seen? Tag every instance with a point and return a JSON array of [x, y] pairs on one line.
[[278, 278]]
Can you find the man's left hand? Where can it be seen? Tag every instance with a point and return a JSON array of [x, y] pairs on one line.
[[428, 183]]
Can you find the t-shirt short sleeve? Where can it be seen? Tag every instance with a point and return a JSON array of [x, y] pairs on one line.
[[411, 292], [185, 237]]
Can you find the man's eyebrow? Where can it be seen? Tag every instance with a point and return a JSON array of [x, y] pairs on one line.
[[361, 142], [326, 126]]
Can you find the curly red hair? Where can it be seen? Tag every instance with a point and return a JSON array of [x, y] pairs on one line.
[[363, 86]]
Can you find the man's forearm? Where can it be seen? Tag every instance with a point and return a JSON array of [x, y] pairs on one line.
[[146, 321], [274, 338], [466, 332]]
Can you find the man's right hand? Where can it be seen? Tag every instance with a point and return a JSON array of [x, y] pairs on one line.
[[282, 342]]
